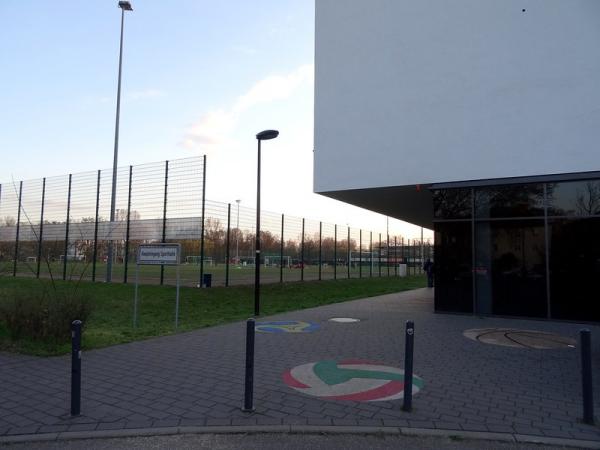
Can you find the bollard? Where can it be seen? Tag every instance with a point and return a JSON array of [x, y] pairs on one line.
[[586, 376], [249, 387], [409, 340], [75, 367]]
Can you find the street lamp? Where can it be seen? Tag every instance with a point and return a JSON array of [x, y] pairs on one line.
[[237, 233], [262, 136], [125, 6]]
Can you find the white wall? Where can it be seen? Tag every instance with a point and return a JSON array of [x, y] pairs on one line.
[[421, 91]]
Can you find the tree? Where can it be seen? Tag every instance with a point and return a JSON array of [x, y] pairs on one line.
[[588, 199], [10, 221]]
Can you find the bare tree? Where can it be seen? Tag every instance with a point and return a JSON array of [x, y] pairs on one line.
[[588, 199]]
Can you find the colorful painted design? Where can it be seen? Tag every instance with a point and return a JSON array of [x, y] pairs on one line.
[[286, 326], [356, 380]]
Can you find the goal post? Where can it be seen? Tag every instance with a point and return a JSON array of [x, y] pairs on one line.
[[278, 260], [195, 259]]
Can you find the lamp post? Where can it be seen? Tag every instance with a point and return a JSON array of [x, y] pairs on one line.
[[237, 233], [262, 136], [125, 6]]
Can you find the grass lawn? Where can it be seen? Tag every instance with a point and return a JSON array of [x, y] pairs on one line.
[[111, 319]]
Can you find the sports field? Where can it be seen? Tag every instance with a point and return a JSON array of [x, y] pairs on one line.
[[190, 273]]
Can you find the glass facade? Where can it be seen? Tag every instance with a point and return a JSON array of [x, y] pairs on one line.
[[529, 250]]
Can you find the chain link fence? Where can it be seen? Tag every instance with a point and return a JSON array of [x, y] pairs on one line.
[[60, 227]]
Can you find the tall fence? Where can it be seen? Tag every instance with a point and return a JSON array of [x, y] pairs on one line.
[[60, 227]]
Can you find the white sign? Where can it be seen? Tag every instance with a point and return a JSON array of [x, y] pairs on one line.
[[159, 254]]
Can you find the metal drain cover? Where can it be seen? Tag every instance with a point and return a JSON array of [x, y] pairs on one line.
[[510, 337], [344, 320]]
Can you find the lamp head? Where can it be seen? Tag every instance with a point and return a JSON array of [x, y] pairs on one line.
[[125, 6], [267, 134]]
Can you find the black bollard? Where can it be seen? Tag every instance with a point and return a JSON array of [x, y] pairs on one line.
[[409, 340], [586, 376], [75, 367], [249, 388]]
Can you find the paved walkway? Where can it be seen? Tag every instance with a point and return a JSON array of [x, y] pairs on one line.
[[196, 378]]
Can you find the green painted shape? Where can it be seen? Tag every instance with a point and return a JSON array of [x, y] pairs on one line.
[[331, 374]]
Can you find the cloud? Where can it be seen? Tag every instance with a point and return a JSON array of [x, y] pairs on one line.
[[215, 127], [210, 130], [145, 94]]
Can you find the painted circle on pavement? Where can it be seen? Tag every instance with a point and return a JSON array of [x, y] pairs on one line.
[[344, 320], [286, 326], [355, 380]]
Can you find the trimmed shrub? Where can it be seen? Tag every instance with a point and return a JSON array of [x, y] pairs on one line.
[[44, 316]]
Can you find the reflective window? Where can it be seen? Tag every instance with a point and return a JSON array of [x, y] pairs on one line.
[[452, 204], [575, 268], [523, 200], [452, 267], [510, 268], [574, 198]]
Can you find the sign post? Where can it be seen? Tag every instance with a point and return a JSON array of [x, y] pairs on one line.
[[157, 255]]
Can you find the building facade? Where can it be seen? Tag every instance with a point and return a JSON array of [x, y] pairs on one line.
[[479, 119]]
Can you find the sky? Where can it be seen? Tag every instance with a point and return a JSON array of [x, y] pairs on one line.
[[199, 77]]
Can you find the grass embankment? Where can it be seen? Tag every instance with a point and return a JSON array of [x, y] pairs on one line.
[[111, 319]]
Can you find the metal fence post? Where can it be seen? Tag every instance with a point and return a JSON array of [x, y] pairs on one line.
[[360, 253], [402, 251], [335, 261], [126, 257], [380, 250], [95, 255], [164, 224], [320, 248], [64, 277], [302, 254], [370, 253], [41, 236], [422, 255], [281, 252], [414, 256], [227, 244], [202, 223], [18, 230], [395, 255], [387, 254], [408, 257], [349, 253]]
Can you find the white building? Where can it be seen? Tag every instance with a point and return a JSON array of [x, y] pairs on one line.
[[480, 119]]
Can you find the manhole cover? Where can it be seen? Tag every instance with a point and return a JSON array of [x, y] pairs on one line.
[[344, 320], [510, 337]]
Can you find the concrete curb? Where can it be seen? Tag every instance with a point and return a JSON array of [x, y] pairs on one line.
[[299, 429]]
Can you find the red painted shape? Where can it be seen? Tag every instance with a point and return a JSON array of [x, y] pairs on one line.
[[388, 389], [291, 381]]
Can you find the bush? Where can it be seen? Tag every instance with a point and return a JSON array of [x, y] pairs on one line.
[[44, 316]]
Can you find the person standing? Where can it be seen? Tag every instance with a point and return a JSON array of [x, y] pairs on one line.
[[428, 267]]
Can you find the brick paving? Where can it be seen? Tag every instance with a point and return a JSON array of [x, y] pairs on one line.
[[196, 378]]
